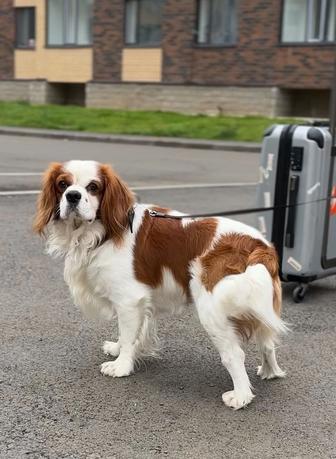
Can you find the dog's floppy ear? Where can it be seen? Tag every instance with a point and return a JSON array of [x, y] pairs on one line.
[[117, 200], [47, 200]]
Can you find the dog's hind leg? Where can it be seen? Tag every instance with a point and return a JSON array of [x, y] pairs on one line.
[[147, 344], [252, 294], [227, 343], [269, 368]]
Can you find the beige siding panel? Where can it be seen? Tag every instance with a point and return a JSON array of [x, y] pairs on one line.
[[55, 65], [28, 2], [142, 65]]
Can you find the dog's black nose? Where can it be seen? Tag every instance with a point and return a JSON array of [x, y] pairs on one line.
[[73, 197]]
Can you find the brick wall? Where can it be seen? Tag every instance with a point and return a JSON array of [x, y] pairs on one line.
[[7, 30], [251, 61], [108, 39], [305, 67], [256, 60], [177, 40]]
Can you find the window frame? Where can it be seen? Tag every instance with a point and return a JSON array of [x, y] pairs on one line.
[[208, 44], [137, 44], [308, 42], [64, 45], [27, 47]]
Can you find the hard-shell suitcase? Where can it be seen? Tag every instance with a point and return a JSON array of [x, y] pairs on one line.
[[297, 178]]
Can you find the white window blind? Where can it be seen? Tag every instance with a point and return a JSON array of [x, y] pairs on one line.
[[131, 21], [143, 22], [25, 27], [217, 22], [84, 14], [308, 21], [69, 22]]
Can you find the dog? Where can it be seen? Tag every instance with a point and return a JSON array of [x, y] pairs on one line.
[[122, 261]]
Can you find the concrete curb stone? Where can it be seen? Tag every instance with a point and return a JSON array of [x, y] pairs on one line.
[[242, 147]]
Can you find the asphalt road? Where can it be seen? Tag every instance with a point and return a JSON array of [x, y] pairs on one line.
[[54, 401]]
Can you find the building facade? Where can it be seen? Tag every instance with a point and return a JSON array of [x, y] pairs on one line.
[[270, 57]]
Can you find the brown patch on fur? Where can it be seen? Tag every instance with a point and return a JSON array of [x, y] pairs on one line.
[[232, 254], [277, 299], [117, 200], [166, 243], [49, 197]]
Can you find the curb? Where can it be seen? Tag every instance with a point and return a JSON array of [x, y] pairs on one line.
[[242, 147]]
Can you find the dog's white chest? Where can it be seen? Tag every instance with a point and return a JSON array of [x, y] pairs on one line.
[[85, 290]]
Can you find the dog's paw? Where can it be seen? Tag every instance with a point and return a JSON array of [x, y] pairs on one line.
[[237, 400], [117, 368], [111, 348], [265, 372]]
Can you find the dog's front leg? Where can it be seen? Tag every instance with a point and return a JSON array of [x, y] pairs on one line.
[[129, 321], [111, 348]]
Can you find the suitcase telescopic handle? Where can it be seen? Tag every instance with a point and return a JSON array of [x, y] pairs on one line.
[[293, 194]]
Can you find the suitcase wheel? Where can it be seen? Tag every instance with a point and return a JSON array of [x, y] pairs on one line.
[[299, 292]]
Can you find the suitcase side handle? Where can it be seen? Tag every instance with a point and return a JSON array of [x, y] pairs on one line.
[[293, 194]]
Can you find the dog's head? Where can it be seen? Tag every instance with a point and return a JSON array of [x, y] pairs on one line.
[[84, 191]]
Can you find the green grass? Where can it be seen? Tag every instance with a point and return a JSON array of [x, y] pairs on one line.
[[248, 128]]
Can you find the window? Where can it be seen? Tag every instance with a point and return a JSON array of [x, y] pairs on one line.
[[25, 27], [308, 21], [216, 22], [143, 22], [69, 22]]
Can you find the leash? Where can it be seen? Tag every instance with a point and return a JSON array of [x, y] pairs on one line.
[[157, 214]]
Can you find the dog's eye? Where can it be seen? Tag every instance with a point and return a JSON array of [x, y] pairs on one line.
[[93, 187], [62, 185]]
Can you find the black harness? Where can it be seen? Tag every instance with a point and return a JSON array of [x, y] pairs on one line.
[[130, 218]]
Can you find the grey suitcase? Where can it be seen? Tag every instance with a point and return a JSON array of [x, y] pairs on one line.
[[297, 178]]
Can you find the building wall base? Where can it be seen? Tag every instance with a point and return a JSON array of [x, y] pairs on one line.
[[11, 90], [188, 99], [191, 99], [40, 92]]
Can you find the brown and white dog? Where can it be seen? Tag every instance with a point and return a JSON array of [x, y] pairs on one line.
[[139, 270]]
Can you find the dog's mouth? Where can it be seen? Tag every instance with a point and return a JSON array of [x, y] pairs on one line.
[[73, 214]]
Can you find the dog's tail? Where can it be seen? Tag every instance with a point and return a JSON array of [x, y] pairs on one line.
[[252, 295]]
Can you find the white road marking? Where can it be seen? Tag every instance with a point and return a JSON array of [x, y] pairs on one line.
[[193, 185], [20, 174], [150, 188], [18, 192]]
